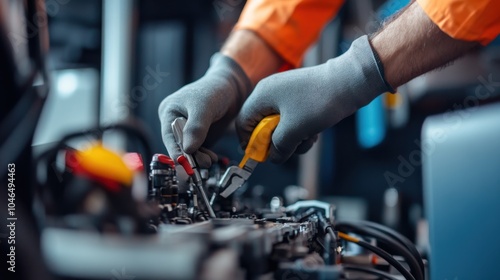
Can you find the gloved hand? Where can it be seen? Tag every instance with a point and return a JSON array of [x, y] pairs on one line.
[[312, 99], [209, 105]]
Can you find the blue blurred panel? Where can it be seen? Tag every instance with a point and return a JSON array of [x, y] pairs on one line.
[[462, 192], [370, 124], [370, 120]]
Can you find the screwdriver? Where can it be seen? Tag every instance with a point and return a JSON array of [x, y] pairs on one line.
[[189, 163], [256, 151]]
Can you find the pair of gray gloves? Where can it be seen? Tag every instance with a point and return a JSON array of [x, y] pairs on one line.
[[309, 100]]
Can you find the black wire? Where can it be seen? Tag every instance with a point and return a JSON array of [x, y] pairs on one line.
[[21, 109], [330, 231], [331, 254], [19, 138], [333, 240], [327, 254], [130, 128], [386, 256], [371, 271], [395, 247], [320, 244], [399, 237], [17, 128]]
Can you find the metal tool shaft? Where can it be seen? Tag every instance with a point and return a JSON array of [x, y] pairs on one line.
[[204, 197], [178, 128]]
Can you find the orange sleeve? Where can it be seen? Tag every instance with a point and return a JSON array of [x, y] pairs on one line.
[[468, 20], [288, 26]]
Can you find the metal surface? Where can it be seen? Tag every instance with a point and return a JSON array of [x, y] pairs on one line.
[[116, 65], [327, 208], [235, 177], [131, 256]]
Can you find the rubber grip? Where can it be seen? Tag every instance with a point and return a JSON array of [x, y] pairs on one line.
[[183, 161]]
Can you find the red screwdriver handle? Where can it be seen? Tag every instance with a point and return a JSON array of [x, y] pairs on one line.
[[182, 160]]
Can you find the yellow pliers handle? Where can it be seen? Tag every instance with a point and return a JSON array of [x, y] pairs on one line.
[[260, 140]]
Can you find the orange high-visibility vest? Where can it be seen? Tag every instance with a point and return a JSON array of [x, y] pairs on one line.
[[291, 26]]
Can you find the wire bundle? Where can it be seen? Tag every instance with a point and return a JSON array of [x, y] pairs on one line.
[[395, 243]]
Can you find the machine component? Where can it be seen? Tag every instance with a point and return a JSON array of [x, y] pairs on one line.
[[189, 164], [306, 205], [175, 207], [163, 180], [256, 151], [163, 186], [95, 214]]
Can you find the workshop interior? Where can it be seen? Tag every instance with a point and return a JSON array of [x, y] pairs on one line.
[[408, 187]]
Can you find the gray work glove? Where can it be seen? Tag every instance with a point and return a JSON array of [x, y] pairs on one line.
[[209, 105], [312, 99]]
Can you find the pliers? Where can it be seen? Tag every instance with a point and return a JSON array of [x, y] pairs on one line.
[[256, 151]]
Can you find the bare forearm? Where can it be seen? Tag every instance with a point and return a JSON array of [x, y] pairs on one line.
[[256, 58], [412, 44]]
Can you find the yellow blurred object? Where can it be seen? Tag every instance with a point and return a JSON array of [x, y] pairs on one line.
[[258, 146], [392, 100], [104, 163], [348, 237]]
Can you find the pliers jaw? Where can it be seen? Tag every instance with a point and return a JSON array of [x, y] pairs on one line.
[[233, 178], [256, 151]]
